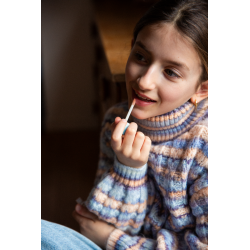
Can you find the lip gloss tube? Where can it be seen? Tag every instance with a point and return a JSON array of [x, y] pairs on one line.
[[128, 114]]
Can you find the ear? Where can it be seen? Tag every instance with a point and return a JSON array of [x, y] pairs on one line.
[[201, 93], [132, 43]]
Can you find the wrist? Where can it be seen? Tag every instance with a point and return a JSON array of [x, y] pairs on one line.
[[128, 175], [129, 162], [106, 237], [120, 166]]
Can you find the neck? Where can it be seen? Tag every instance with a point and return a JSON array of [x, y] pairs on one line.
[[174, 123]]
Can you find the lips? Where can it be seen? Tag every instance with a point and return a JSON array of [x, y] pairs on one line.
[[142, 97]]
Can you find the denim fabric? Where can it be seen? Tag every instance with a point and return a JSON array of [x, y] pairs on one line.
[[55, 236]]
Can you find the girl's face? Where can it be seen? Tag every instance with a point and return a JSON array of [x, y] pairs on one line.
[[163, 67]]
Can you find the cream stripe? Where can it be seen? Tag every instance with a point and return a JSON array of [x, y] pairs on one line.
[[202, 220], [177, 195], [162, 245], [128, 182], [113, 238], [131, 208], [197, 131], [201, 159], [138, 245], [178, 153], [106, 201], [180, 211], [159, 169], [161, 242], [201, 246], [131, 223], [199, 194]]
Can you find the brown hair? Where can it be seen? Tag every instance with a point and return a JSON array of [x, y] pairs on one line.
[[190, 18]]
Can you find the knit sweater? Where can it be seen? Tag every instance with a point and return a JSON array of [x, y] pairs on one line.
[[163, 204]]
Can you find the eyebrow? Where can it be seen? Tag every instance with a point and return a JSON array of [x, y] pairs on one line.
[[178, 64], [140, 44]]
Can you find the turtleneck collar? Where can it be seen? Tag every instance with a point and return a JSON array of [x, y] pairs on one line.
[[168, 126]]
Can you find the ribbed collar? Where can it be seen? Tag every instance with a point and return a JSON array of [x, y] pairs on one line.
[[174, 123]]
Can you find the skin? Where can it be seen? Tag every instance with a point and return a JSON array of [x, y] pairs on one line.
[[151, 70], [91, 227], [164, 66]]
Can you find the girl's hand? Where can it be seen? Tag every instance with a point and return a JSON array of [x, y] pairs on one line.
[[133, 149], [91, 227]]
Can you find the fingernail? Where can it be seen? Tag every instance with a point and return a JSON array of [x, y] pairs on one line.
[[123, 120], [78, 208]]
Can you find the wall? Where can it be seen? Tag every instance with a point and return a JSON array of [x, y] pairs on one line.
[[67, 62]]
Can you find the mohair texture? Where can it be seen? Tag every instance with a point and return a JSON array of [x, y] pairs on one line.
[[164, 204]]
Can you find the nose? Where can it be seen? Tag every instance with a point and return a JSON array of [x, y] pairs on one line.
[[148, 79]]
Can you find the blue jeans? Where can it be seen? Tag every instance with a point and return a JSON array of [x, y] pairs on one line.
[[55, 236]]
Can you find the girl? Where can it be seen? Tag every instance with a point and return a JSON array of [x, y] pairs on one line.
[[151, 185]]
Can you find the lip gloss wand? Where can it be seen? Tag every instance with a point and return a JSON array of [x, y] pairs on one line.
[[128, 114]]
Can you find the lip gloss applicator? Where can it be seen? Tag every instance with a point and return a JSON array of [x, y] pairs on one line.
[[128, 114]]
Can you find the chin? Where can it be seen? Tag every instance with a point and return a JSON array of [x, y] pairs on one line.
[[140, 115]]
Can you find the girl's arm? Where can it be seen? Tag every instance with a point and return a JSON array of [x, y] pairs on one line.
[[194, 238], [120, 197], [107, 237], [120, 194]]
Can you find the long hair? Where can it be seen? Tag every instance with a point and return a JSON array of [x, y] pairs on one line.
[[189, 17]]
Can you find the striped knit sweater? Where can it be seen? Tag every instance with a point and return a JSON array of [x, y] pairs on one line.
[[164, 204]]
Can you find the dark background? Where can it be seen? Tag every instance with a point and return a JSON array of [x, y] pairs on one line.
[[73, 102], [70, 121]]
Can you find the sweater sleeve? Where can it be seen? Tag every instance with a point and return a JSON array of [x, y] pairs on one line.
[[106, 155], [120, 192], [120, 197]]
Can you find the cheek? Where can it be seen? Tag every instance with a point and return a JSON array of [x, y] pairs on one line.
[[175, 93], [170, 94]]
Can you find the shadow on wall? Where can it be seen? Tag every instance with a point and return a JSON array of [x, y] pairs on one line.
[[68, 58]]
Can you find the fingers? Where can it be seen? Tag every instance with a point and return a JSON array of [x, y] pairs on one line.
[[145, 147], [113, 125], [84, 223], [137, 145], [83, 211], [117, 119], [78, 217], [129, 138], [133, 148], [116, 139], [97, 231]]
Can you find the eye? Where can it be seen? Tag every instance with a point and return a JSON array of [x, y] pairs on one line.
[[171, 73], [140, 57]]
